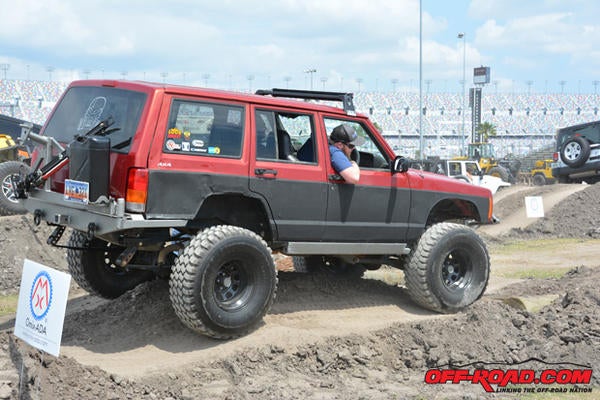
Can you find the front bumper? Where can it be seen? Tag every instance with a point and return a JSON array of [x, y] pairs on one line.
[[103, 219]]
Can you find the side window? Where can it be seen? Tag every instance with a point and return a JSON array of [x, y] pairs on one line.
[[205, 129], [454, 168], [284, 136], [371, 155]]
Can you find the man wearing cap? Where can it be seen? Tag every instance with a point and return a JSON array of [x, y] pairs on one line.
[[342, 141]]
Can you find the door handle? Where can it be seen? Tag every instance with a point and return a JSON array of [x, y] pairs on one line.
[[265, 171], [336, 177]]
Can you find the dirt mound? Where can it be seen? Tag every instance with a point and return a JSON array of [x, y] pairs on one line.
[[576, 216], [20, 238], [386, 363]]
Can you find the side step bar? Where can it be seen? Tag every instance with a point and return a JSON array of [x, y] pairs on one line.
[[331, 248]]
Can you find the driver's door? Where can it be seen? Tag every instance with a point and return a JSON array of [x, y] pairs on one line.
[[378, 207]]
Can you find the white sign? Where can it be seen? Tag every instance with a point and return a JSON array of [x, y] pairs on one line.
[[534, 207], [42, 304]]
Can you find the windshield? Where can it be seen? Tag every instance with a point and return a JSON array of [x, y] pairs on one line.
[[83, 107]]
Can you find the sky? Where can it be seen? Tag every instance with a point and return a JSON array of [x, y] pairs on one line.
[[532, 46]]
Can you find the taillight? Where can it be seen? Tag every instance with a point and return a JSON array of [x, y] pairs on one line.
[[555, 157], [137, 190]]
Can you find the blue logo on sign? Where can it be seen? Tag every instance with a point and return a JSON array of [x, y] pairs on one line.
[[40, 298]]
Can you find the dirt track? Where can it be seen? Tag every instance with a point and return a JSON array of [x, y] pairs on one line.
[[326, 337]]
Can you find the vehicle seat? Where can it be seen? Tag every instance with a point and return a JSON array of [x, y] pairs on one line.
[[306, 152], [284, 143]]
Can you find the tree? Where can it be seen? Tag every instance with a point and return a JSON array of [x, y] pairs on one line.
[[486, 130]]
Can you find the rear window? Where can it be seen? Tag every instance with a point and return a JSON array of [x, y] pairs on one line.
[[83, 107], [201, 128]]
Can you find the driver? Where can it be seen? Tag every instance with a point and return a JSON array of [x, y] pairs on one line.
[[342, 142]]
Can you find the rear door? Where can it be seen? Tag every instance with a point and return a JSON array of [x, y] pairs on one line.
[[376, 209], [197, 152], [288, 171]]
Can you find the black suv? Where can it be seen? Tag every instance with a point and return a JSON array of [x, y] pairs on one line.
[[577, 156], [200, 186]]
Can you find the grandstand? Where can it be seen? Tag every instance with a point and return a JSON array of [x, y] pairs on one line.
[[524, 122]]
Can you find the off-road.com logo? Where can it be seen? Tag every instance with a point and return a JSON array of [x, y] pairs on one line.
[[500, 378]]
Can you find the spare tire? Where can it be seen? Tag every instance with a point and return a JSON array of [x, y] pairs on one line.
[[575, 151]]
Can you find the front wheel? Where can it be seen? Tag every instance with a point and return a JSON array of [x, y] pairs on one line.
[[449, 269], [92, 265], [9, 204], [224, 282]]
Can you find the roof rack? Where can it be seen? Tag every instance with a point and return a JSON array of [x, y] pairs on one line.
[[346, 98]]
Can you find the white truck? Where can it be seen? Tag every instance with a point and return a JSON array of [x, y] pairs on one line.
[[466, 170]]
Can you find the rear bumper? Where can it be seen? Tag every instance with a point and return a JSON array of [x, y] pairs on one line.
[[103, 218], [588, 169]]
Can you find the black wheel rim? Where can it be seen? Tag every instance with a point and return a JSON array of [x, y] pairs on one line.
[[456, 270], [232, 288]]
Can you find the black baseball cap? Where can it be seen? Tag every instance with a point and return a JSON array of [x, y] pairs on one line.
[[346, 134]]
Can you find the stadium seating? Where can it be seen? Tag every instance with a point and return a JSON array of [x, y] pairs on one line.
[[523, 122]]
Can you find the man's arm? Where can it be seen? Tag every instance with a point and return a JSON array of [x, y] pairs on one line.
[[351, 174]]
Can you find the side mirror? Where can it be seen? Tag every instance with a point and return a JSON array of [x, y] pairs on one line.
[[400, 164]]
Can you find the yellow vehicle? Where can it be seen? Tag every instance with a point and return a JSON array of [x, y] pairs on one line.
[[541, 173], [485, 156]]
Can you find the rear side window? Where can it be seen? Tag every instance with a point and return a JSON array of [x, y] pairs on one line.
[[83, 107], [205, 129]]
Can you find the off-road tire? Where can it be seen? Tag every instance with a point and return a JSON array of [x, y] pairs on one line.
[[500, 172], [575, 152], [94, 270], [9, 205], [224, 282], [539, 180], [449, 268]]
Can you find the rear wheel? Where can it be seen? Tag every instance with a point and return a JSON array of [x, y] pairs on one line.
[[9, 204], [91, 264], [539, 180], [224, 282], [449, 269]]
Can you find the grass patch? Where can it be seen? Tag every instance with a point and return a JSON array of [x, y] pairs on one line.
[[8, 304], [551, 273], [538, 244]]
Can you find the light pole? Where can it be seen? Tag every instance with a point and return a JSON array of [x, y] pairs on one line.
[[4, 68], [310, 71], [461, 35], [421, 143]]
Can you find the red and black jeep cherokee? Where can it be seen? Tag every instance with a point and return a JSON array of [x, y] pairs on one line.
[[202, 185]]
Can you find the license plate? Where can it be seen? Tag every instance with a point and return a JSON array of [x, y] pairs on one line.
[[77, 191]]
